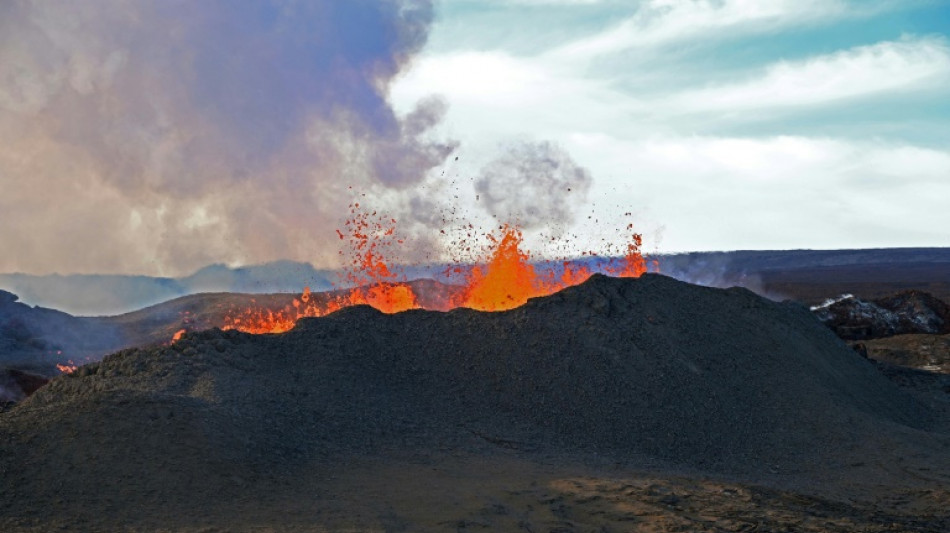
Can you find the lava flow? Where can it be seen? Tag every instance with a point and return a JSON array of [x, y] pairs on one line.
[[67, 368], [376, 284], [509, 279], [370, 236], [505, 281]]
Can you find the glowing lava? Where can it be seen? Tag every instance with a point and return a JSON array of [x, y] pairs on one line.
[[68, 368], [507, 279], [632, 264], [370, 238], [387, 297]]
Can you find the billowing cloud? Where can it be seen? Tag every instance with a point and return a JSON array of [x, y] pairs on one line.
[[533, 185], [783, 192], [159, 136]]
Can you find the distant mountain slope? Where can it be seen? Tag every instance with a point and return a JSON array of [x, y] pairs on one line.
[[813, 285], [780, 274], [83, 294], [776, 260], [37, 339], [810, 276]]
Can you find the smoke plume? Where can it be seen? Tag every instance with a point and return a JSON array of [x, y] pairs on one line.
[[8, 393], [158, 136], [533, 184]]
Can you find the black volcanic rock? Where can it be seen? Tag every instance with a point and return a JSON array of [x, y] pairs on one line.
[[903, 313], [647, 370], [7, 298], [918, 312]]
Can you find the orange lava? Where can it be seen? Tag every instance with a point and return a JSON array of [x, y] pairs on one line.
[[67, 368], [370, 238], [387, 297], [505, 281], [508, 280], [263, 321], [632, 264]]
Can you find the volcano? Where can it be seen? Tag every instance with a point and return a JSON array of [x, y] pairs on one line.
[[642, 373]]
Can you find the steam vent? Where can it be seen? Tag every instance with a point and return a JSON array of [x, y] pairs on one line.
[[634, 374]]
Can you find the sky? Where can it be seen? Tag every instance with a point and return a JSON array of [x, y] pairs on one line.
[[157, 137], [731, 124]]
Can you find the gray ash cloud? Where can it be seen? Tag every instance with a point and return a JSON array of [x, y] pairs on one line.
[[533, 184], [156, 137]]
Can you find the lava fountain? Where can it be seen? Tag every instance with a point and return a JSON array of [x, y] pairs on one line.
[[505, 279]]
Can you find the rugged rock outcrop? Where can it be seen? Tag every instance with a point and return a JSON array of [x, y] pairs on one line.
[[903, 313]]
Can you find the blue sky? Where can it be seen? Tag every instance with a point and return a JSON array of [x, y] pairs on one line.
[[724, 124]]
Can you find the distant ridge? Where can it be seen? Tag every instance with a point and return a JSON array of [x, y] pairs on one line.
[[103, 294], [82, 294], [768, 260]]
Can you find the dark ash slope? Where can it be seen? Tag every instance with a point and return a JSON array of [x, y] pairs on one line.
[[720, 380]]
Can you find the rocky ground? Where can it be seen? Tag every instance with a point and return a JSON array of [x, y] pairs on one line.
[[500, 490], [930, 353], [618, 405], [908, 312]]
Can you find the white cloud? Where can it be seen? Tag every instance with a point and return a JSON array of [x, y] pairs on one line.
[[891, 66], [496, 94], [659, 22], [487, 77], [554, 2], [772, 193], [527, 2]]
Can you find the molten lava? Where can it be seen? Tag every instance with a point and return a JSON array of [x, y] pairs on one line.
[[507, 279], [632, 264], [371, 237], [387, 297], [68, 368], [263, 321]]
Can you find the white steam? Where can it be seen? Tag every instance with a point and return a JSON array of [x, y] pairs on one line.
[[533, 185]]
